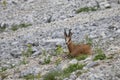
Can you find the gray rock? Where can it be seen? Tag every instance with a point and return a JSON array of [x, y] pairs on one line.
[[107, 5], [78, 79], [15, 53], [41, 61], [73, 76], [103, 34], [118, 31], [66, 79], [37, 53], [92, 64], [32, 70], [35, 44], [45, 58], [73, 61], [34, 49], [104, 5], [15, 43], [112, 27], [30, 1], [62, 66], [48, 19], [52, 43], [57, 34]]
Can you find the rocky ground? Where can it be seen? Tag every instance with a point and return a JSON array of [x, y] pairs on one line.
[[32, 42]]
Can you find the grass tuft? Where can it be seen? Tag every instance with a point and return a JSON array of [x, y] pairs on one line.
[[46, 57], [88, 40], [4, 3], [24, 61], [59, 50], [3, 69], [47, 60], [28, 52], [59, 59], [23, 25], [82, 57], [52, 75], [100, 55], [60, 75], [14, 27], [32, 77], [2, 28], [73, 67], [86, 9]]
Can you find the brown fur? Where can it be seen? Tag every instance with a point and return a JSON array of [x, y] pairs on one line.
[[76, 50]]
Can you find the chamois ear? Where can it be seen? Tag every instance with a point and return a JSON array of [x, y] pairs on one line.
[[65, 34], [70, 33]]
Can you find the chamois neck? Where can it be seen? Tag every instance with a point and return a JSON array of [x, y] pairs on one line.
[[70, 46]]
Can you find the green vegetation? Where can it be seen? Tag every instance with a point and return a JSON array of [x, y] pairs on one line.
[[82, 57], [60, 75], [88, 41], [100, 55], [52, 75], [58, 60], [59, 50], [12, 66], [23, 25], [44, 52], [14, 27], [32, 77], [86, 9], [2, 28], [28, 52], [78, 73], [4, 3], [72, 68], [24, 61], [47, 60], [3, 69]]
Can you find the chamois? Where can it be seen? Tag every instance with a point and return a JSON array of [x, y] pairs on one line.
[[76, 50]]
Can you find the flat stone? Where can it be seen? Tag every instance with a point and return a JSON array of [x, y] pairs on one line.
[[73, 61], [92, 64]]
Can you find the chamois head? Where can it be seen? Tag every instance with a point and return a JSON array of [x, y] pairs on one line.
[[67, 36]]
